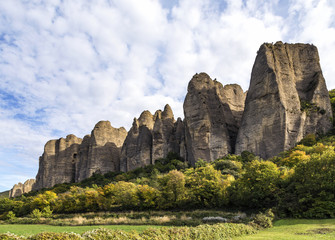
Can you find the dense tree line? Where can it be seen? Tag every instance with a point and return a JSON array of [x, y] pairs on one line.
[[298, 183]]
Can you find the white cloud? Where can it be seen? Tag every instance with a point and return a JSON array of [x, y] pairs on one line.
[[65, 65]]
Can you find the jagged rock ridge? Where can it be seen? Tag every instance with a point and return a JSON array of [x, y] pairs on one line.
[[152, 137], [73, 159], [287, 99], [19, 189]]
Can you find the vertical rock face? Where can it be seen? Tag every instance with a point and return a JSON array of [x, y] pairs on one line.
[[19, 189], [163, 133], [235, 98], [137, 148], [152, 137], [287, 99], [57, 164], [211, 118], [101, 151], [73, 159]]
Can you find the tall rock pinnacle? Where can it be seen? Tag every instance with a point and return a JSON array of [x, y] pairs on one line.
[[287, 99], [211, 126]]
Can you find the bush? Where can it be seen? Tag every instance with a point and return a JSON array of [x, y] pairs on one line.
[[107, 234], [263, 220], [55, 236], [36, 214], [47, 212], [10, 236], [10, 216]]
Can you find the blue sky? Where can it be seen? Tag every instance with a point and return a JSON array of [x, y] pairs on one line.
[[65, 65]]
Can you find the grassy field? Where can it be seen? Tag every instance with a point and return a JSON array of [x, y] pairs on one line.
[[290, 229], [296, 229], [26, 230]]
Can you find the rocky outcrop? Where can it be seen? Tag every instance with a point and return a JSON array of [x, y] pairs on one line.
[[73, 159], [212, 116], [235, 98], [287, 99], [163, 133], [57, 164], [19, 189], [152, 137], [137, 148], [101, 151]]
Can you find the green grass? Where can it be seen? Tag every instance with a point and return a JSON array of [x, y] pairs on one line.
[[296, 229], [29, 229]]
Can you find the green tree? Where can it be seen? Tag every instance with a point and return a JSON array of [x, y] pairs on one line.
[[208, 186], [310, 191], [172, 188], [258, 186]]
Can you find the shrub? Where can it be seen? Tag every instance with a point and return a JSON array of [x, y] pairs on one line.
[[55, 236], [36, 214], [47, 212], [263, 220], [107, 234], [10, 216], [10, 236]]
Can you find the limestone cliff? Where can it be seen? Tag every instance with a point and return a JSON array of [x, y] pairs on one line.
[[19, 189], [137, 148], [212, 116], [101, 151], [57, 164], [152, 137], [73, 159], [287, 99]]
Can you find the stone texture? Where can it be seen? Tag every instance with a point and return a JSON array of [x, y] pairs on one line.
[[152, 137], [137, 148], [210, 125], [73, 159], [163, 133], [57, 164], [100, 152], [19, 189], [235, 98], [284, 77]]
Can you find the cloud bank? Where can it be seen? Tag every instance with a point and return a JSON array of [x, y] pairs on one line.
[[65, 65]]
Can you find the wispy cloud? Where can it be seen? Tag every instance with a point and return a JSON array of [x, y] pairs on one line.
[[65, 65]]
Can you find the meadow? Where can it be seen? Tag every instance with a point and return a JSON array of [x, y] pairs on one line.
[[286, 229], [296, 229]]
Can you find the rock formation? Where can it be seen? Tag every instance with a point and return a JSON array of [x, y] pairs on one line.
[[19, 189], [57, 164], [73, 159], [101, 151], [152, 137], [287, 99], [211, 118], [137, 148]]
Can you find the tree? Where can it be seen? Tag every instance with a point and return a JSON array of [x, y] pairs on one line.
[[208, 186], [310, 191], [172, 188], [147, 196], [258, 186], [294, 159]]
